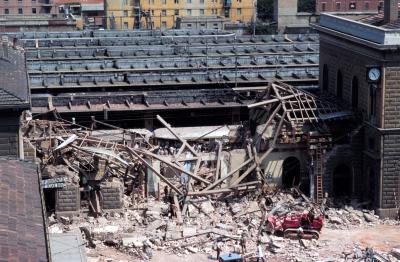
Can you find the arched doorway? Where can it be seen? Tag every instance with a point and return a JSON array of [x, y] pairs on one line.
[[325, 78], [342, 181], [354, 92], [291, 172], [339, 84]]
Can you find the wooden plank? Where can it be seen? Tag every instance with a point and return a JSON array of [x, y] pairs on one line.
[[178, 210], [218, 161]]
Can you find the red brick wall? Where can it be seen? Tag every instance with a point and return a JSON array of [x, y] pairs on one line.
[[344, 5]]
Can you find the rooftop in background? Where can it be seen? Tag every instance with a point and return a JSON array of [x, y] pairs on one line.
[[370, 30], [22, 229], [14, 92]]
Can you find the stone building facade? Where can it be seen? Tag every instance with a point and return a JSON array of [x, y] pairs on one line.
[[360, 64]]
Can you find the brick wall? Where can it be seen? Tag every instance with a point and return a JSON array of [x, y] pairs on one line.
[[391, 169], [9, 128], [392, 98], [68, 199], [112, 195]]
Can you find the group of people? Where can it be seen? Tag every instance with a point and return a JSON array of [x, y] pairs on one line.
[[240, 248]]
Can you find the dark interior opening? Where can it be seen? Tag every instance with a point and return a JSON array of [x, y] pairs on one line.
[[291, 172], [50, 199], [342, 181]]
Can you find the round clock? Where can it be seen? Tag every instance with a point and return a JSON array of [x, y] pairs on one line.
[[374, 74]]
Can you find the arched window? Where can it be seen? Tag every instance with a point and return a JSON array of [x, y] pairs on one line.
[[325, 78], [339, 84], [354, 92]]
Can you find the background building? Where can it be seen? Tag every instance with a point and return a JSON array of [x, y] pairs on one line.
[[348, 6], [128, 14]]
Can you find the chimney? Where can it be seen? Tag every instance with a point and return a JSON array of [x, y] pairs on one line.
[[391, 12]]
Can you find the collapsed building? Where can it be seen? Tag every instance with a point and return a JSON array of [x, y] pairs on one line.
[[115, 82], [121, 118]]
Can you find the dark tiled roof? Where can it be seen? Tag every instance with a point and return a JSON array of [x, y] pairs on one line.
[[22, 235], [378, 20], [8, 99]]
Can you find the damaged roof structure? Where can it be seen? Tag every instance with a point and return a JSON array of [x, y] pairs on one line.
[[93, 72]]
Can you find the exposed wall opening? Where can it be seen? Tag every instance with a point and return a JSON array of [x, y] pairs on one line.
[[342, 181], [325, 77], [50, 199], [354, 92], [339, 84], [291, 172]]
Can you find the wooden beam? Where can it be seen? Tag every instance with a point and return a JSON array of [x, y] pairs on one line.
[[229, 174], [172, 165], [155, 171], [218, 161], [178, 210], [244, 186], [183, 141]]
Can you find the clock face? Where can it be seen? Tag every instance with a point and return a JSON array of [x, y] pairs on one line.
[[374, 74]]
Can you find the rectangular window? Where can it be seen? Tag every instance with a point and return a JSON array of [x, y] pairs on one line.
[[214, 11], [202, 2], [239, 11], [6, 11], [125, 13], [164, 24], [33, 10], [176, 12], [202, 25], [20, 11], [352, 6], [366, 6], [152, 12], [189, 1], [163, 12], [176, 1], [126, 25], [125, 2], [189, 11], [163, 2], [337, 6], [201, 11], [323, 7], [189, 25]]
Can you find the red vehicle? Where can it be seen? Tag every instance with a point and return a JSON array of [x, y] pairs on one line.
[[305, 225]]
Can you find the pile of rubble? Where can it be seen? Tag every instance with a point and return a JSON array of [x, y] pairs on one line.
[[148, 227]]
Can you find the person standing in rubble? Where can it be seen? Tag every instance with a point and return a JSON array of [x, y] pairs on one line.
[[172, 206], [219, 249], [259, 252], [243, 243]]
